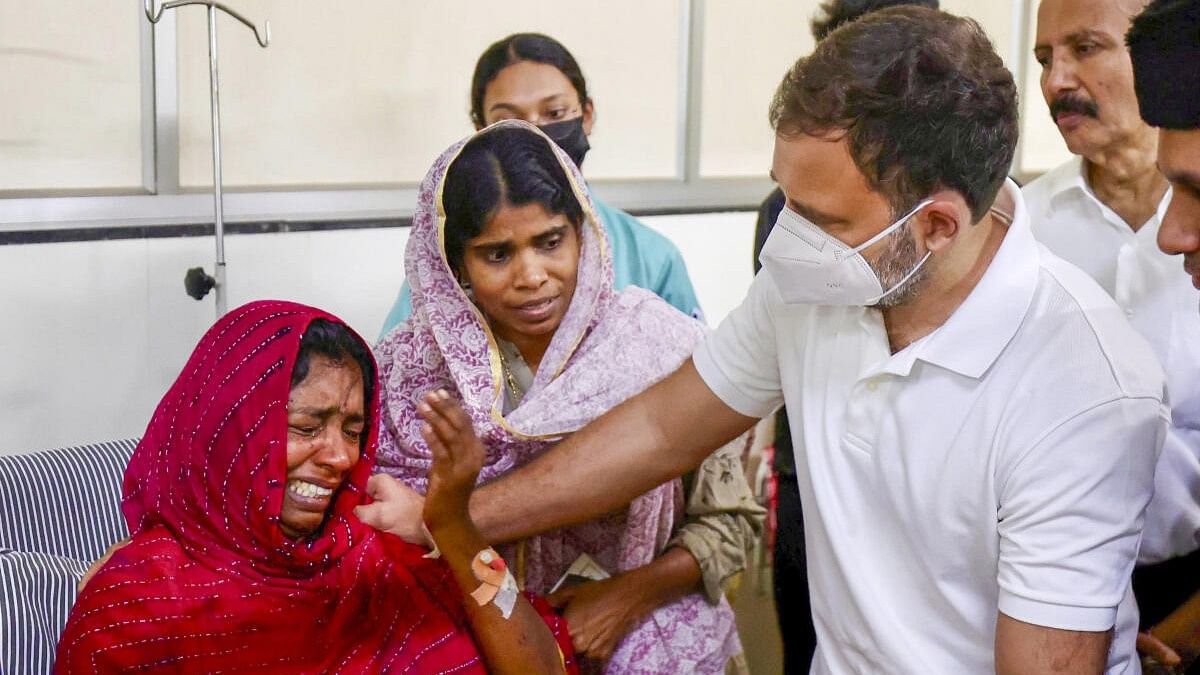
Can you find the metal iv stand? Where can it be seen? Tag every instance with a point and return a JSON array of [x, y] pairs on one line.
[[197, 282]]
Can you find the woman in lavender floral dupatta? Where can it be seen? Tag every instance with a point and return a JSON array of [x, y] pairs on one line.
[[514, 314]]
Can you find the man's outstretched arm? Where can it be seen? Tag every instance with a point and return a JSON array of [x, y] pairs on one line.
[[653, 437], [1025, 649]]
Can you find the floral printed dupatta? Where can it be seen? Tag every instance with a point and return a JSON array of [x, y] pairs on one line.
[[609, 347]]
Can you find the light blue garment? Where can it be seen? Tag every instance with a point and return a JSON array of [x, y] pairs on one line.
[[641, 257]]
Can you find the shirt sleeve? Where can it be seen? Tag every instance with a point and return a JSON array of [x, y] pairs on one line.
[[401, 309], [739, 361], [723, 521], [1070, 515]]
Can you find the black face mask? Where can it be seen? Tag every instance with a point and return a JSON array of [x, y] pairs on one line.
[[569, 136]]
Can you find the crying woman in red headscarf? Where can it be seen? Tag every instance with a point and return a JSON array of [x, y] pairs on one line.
[[245, 553]]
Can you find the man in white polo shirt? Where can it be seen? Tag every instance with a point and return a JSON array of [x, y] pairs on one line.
[[975, 423], [1101, 211]]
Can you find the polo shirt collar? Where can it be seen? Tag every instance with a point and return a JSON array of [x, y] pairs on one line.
[[972, 338], [1071, 177]]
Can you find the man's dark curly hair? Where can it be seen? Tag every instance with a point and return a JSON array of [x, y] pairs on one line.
[[834, 13], [922, 97]]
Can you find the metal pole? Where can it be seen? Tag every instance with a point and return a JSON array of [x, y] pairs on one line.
[[218, 207], [197, 283]]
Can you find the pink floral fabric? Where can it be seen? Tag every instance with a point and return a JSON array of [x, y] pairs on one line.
[[609, 347]]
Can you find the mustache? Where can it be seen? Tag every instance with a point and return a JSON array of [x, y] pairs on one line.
[[1073, 104]]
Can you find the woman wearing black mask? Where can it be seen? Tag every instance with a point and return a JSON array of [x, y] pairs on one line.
[[532, 77]]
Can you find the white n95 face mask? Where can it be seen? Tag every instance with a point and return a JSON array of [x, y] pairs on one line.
[[810, 266]]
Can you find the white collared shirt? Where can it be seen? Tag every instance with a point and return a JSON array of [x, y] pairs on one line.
[[1000, 463], [1161, 303]]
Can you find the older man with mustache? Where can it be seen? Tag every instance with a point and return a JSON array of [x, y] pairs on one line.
[[1102, 211]]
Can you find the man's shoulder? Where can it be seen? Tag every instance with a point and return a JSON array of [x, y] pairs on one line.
[[1079, 337], [1074, 360]]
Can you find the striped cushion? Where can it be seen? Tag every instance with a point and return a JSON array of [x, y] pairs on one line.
[[59, 511], [64, 502], [36, 594]]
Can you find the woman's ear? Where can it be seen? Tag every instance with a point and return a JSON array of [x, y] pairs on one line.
[[589, 116]]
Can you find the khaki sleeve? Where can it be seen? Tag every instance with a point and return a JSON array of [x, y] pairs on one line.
[[723, 521]]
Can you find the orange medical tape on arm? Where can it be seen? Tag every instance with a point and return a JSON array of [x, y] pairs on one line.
[[496, 583]]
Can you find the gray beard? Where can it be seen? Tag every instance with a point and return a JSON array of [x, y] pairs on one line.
[[898, 259]]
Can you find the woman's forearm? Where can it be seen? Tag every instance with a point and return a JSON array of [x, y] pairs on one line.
[[522, 643], [665, 579], [602, 613]]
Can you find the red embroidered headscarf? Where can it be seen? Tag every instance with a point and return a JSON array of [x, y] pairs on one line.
[[210, 583]]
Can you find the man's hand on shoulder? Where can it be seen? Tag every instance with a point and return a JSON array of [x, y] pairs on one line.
[[397, 509]]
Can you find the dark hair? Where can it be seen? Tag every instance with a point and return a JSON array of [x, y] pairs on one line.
[[1163, 47], [516, 48], [509, 165], [922, 97], [834, 13], [338, 343]]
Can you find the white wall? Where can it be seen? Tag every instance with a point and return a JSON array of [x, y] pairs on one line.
[[405, 66], [97, 331]]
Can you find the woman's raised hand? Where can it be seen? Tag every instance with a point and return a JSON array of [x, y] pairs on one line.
[[457, 458]]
